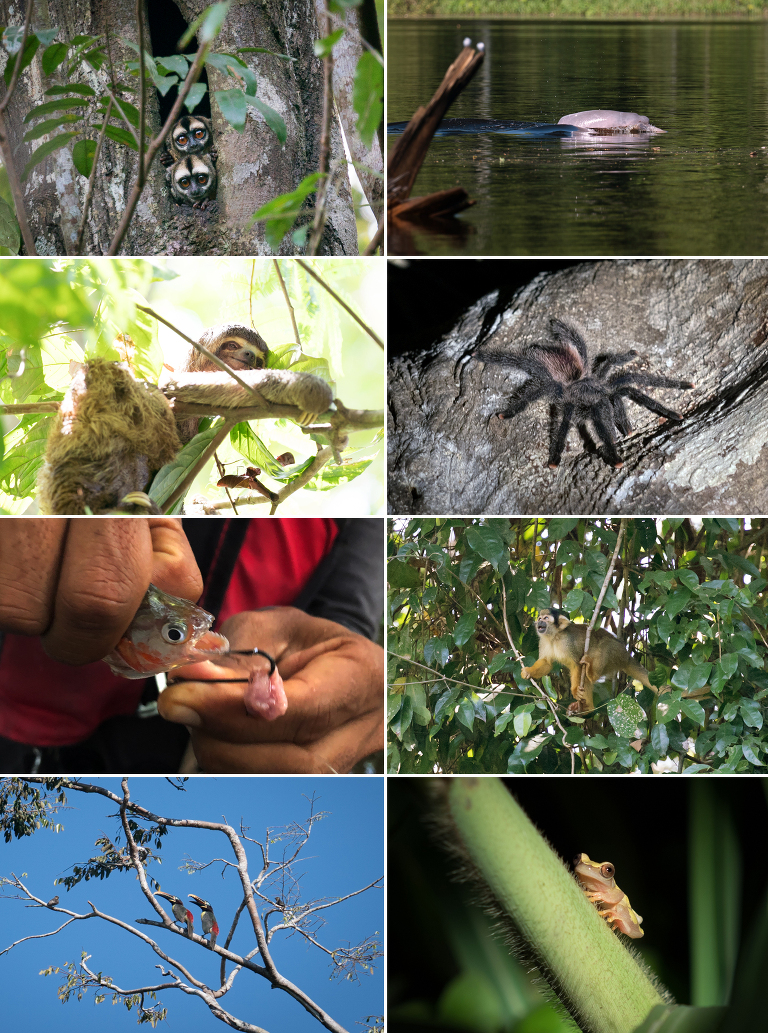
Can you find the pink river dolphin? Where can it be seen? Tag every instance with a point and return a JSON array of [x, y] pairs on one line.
[[600, 121]]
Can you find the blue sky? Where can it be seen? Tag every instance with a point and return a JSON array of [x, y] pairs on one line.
[[345, 852]]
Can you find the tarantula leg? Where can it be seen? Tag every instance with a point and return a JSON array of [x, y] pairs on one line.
[[603, 362], [648, 380], [586, 437], [569, 336], [557, 440], [602, 417], [650, 403], [522, 400], [620, 416]]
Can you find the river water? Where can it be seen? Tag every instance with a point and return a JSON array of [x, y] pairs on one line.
[[692, 191]]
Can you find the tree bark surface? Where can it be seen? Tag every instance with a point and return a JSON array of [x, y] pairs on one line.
[[706, 321], [252, 166]]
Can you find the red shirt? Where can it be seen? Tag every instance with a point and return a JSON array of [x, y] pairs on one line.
[[45, 703]]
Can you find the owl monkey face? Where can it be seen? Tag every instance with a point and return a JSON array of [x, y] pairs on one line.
[[193, 181], [191, 135]]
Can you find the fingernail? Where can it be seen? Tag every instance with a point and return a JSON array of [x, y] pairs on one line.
[[182, 715]]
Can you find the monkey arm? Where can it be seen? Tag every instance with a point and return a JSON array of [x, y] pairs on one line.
[[538, 669], [308, 393]]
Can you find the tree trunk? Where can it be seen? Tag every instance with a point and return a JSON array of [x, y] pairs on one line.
[[706, 321], [252, 166]]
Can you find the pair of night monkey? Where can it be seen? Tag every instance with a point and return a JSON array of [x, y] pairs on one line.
[[190, 160]]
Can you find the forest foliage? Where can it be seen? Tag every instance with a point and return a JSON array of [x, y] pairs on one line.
[[687, 598], [61, 311]]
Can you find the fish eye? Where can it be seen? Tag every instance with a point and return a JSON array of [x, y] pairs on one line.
[[174, 631]]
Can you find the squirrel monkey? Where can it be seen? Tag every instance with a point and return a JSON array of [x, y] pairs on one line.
[[561, 641]]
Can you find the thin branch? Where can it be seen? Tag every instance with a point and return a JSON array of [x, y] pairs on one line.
[[308, 269], [296, 337], [5, 146], [142, 92], [322, 457], [129, 125], [222, 473], [603, 590], [92, 179], [318, 224], [377, 240], [192, 76]]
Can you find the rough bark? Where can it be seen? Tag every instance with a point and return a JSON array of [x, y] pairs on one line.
[[703, 320], [252, 166]]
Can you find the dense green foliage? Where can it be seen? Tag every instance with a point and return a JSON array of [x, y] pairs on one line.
[[686, 597]]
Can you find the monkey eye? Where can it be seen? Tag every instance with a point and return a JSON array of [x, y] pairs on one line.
[[202, 179], [199, 132], [181, 140], [184, 182]]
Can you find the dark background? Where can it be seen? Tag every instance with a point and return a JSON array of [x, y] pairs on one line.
[[425, 296], [638, 824]]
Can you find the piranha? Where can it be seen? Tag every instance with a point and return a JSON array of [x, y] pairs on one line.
[[168, 632], [165, 633]]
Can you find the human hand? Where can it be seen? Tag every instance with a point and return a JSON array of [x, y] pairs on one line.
[[334, 681], [78, 583]]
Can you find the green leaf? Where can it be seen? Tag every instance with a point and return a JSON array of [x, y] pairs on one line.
[[120, 135], [323, 47], [213, 19], [625, 715], [49, 125], [78, 88], [54, 105], [486, 540], [523, 721], [178, 64], [402, 720], [660, 739], [53, 56], [10, 235], [195, 95], [693, 710], [83, 154], [729, 662], [171, 475], [465, 715], [45, 149], [751, 713], [46, 36], [245, 441], [465, 627], [271, 117], [233, 106], [677, 601], [689, 579], [368, 96], [30, 49], [560, 527], [281, 212]]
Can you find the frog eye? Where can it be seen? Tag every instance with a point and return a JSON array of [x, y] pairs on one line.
[[175, 632], [607, 870]]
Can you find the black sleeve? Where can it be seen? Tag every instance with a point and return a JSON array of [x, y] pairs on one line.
[[348, 585]]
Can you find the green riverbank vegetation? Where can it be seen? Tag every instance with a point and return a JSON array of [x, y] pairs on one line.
[[579, 9]]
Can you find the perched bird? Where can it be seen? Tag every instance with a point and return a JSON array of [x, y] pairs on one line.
[[179, 909], [53, 901], [207, 919]]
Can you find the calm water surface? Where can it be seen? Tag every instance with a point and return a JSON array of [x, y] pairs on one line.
[[693, 191]]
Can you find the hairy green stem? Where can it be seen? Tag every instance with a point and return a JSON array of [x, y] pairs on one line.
[[602, 982]]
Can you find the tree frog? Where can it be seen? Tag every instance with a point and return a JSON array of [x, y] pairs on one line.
[[598, 883]]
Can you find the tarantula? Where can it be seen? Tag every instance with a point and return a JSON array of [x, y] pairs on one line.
[[580, 391]]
